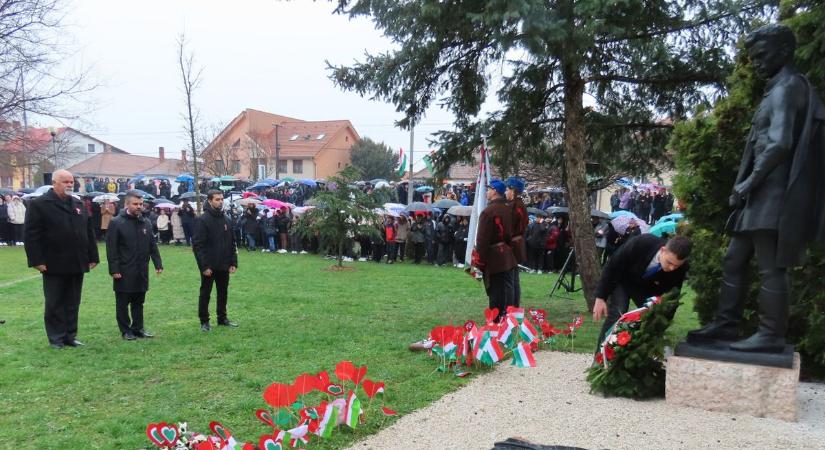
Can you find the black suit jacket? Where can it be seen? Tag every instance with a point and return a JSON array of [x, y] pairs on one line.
[[628, 265], [129, 246], [60, 235], [214, 242]]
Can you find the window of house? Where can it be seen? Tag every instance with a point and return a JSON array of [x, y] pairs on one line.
[[219, 167], [91, 148], [297, 166], [236, 166], [237, 144], [321, 136], [294, 137], [282, 166], [339, 165]]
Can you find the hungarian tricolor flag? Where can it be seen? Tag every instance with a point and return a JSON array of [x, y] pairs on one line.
[[518, 313], [489, 352], [353, 410], [522, 356], [507, 331], [328, 421], [402, 162], [528, 332]]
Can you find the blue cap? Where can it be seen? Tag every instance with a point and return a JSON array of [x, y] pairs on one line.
[[516, 183], [498, 185]]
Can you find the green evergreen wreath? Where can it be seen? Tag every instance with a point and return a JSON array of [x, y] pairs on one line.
[[631, 363]]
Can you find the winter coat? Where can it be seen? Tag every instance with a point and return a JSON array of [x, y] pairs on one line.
[[177, 227], [250, 221], [60, 235], [402, 231], [495, 230], [107, 211], [129, 246], [417, 233], [17, 211], [213, 241], [163, 222]]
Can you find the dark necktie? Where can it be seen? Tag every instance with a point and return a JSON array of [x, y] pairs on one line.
[[652, 271]]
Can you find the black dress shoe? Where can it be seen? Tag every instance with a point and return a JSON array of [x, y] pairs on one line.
[[74, 343], [56, 345], [714, 331], [128, 336], [143, 334], [205, 326], [228, 323]]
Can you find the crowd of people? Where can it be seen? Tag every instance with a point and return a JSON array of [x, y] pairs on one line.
[[649, 205]]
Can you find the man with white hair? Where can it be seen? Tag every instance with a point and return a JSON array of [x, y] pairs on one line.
[[60, 244]]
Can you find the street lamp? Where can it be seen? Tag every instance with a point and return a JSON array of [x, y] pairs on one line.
[[53, 132]]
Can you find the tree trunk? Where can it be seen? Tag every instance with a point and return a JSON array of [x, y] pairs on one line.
[[576, 182], [340, 253]]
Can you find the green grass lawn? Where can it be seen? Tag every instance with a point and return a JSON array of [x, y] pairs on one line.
[[294, 317]]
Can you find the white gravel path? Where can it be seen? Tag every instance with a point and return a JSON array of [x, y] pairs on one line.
[[551, 405]]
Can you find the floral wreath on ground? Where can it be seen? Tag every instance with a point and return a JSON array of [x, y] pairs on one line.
[[459, 348], [630, 360], [290, 420]]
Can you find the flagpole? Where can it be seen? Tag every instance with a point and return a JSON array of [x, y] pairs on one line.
[[410, 186]]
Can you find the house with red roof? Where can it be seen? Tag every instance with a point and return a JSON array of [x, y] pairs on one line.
[[257, 144]]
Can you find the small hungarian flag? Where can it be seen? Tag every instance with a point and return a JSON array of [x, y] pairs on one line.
[[507, 331], [528, 332], [402, 162], [518, 313], [450, 351], [489, 352], [522, 356], [328, 422], [353, 410], [298, 435]]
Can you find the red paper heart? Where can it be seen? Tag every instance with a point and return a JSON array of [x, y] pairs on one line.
[[305, 383], [271, 441], [206, 445], [265, 417], [490, 314], [359, 375], [279, 395], [345, 370], [372, 387], [323, 378], [154, 435], [220, 430], [169, 433], [388, 412]]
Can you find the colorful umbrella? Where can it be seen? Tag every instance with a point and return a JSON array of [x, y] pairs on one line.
[[620, 223], [308, 182], [277, 204], [671, 218], [169, 206], [664, 228], [620, 213]]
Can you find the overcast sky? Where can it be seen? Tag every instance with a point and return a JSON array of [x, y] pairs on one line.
[[263, 54]]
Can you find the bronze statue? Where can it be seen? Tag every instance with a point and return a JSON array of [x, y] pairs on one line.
[[779, 195]]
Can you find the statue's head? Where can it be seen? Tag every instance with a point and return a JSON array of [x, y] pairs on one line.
[[770, 47]]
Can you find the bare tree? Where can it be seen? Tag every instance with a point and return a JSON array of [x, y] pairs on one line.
[[260, 148], [191, 78]]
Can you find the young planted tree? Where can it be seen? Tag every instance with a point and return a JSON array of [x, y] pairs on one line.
[[374, 160], [191, 78], [642, 64], [343, 212]]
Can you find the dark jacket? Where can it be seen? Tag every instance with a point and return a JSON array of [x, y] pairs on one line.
[[417, 232], [187, 214], [495, 231], [60, 235], [628, 265], [129, 245], [213, 241], [520, 222], [537, 234], [250, 221]]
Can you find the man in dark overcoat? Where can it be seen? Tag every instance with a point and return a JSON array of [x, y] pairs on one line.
[[214, 246], [129, 246], [60, 244], [779, 195], [493, 250]]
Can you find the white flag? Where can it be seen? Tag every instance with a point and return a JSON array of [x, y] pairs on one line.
[[479, 202]]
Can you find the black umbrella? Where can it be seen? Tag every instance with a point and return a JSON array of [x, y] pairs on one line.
[[536, 212], [599, 214], [557, 210], [5, 191], [93, 194], [188, 195], [419, 207]]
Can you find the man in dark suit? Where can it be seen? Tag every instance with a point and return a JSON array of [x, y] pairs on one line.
[[60, 244], [214, 246], [129, 246], [493, 251], [643, 267]]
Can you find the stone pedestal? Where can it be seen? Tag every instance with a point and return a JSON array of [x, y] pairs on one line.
[[734, 388]]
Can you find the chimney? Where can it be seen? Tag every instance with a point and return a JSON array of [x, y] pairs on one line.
[[161, 154], [183, 155]]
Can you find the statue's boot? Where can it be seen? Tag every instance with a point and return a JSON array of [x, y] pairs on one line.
[[773, 323], [726, 325]]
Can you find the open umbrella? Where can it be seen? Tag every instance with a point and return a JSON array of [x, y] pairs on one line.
[[664, 228], [105, 198], [671, 218], [445, 203], [227, 178], [620, 213], [169, 206], [533, 211], [185, 177], [277, 204], [599, 214], [308, 182], [419, 207], [463, 211], [190, 195], [397, 207], [146, 195], [424, 189], [259, 186], [382, 185], [300, 210], [288, 179], [557, 210], [248, 201], [375, 181], [93, 194], [5, 191], [620, 223]]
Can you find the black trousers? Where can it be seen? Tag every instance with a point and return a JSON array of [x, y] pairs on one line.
[[445, 253], [392, 251], [617, 304], [124, 302], [402, 249], [62, 294], [535, 256], [418, 251], [221, 280], [500, 291]]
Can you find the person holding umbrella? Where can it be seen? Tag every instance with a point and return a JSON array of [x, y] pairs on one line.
[[129, 246]]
